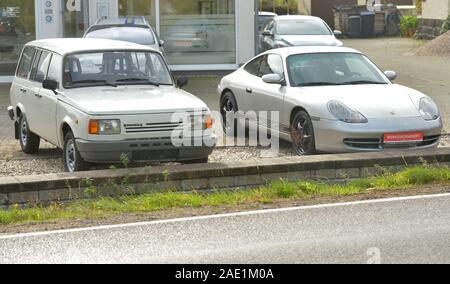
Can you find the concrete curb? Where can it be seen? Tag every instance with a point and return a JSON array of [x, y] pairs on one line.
[[61, 187]]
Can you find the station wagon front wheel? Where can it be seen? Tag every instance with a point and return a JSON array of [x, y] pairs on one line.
[[29, 142], [73, 162]]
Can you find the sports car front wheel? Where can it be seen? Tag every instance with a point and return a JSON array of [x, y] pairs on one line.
[[302, 134]]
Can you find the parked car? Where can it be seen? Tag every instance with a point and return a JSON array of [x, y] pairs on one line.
[[12, 33], [286, 31], [131, 29], [264, 18], [99, 100], [330, 99]]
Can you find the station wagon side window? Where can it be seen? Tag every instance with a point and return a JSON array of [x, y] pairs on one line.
[[26, 60], [253, 66], [272, 64], [40, 69], [54, 69]]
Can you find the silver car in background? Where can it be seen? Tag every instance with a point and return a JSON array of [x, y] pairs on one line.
[[286, 31], [131, 29], [330, 99]]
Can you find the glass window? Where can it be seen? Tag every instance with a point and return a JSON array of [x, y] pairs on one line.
[[17, 27], [115, 68], [253, 66], [131, 34], [54, 69], [75, 19], [40, 72], [302, 27], [26, 60], [332, 69], [272, 63], [144, 8], [199, 32]]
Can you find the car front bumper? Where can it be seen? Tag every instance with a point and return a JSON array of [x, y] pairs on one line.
[[11, 115], [145, 150], [340, 137]]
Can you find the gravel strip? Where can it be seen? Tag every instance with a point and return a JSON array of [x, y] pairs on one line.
[[52, 163]]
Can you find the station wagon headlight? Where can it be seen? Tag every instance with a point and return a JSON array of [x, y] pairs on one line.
[[104, 126], [428, 109], [345, 114]]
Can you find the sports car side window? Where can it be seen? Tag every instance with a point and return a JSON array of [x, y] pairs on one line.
[[253, 66]]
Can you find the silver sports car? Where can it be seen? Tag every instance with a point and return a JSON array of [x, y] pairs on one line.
[[329, 99]]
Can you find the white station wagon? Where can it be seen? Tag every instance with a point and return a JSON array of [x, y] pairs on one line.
[[99, 100]]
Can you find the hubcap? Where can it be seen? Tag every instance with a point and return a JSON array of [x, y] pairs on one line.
[[70, 156], [24, 132], [227, 115], [302, 135]]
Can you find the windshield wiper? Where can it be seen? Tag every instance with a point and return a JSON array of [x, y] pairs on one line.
[[95, 82], [363, 82], [318, 84], [147, 81]]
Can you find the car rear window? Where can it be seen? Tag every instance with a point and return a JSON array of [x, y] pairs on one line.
[[131, 34]]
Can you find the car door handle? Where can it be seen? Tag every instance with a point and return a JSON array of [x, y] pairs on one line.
[[248, 90], [38, 96]]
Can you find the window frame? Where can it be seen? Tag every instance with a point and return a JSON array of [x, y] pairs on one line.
[[31, 65]]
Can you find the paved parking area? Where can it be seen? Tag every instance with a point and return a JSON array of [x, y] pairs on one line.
[[430, 75]]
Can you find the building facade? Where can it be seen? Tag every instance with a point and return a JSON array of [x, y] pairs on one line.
[[226, 28]]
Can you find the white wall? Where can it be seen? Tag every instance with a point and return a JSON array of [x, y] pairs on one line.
[[245, 11], [435, 9]]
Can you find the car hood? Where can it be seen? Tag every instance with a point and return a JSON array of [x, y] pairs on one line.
[[131, 100], [311, 40], [373, 101]]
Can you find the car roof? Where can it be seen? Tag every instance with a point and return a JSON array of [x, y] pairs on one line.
[[287, 51], [123, 21], [299, 17], [65, 46], [264, 13]]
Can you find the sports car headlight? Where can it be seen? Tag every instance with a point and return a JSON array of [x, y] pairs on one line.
[[345, 114], [104, 126], [428, 109]]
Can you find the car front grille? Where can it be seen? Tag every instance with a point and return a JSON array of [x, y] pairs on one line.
[[151, 127], [377, 143]]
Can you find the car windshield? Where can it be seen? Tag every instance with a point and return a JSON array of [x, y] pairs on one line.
[[112, 68], [321, 69], [302, 27], [131, 34]]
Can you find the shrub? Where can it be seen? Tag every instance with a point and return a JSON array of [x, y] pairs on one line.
[[446, 25], [408, 25]]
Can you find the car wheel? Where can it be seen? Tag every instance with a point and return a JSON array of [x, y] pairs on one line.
[[29, 142], [228, 109], [197, 161], [73, 162], [302, 134]]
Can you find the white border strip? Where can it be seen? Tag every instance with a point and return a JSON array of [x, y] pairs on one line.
[[239, 214]]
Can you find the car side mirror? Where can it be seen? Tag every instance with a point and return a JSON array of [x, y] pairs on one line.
[[182, 81], [267, 33], [391, 75], [51, 85], [272, 79], [337, 33], [162, 43]]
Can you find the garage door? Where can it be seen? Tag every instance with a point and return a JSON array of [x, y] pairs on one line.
[[324, 9]]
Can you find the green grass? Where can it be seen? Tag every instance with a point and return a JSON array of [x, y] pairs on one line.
[[276, 191]]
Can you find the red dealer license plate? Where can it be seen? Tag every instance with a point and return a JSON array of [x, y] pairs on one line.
[[403, 137]]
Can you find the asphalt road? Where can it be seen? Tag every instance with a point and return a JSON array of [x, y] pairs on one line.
[[401, 230]]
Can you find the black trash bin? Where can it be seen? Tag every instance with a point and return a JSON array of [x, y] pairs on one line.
[[354, 26], [367, 24]]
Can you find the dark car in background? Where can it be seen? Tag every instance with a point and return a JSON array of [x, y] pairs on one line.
[[11, 34]]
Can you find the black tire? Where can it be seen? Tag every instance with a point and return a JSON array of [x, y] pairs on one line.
[[29, 142], [197, 161], [228, 104], [73, 162], [302, 134]]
